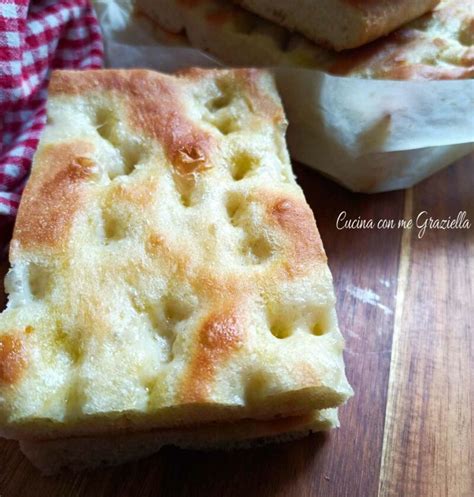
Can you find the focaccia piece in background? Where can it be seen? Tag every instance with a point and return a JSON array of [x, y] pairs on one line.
[[166, 268], [438, 45], [340, 24]]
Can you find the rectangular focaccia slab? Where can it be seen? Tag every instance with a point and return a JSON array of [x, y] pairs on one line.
[[166, 268]]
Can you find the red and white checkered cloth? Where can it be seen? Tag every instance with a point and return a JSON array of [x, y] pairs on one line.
[[36, 37]]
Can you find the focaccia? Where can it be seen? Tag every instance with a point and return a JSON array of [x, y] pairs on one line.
[[340, 24], [78, 453], [334, 24], [438, 45], [166, 269]]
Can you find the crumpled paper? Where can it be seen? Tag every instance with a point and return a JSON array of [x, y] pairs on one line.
[[367, 135]]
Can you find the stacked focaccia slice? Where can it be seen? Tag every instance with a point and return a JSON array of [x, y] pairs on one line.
[[168, 282], [340, 24], [438, 45]]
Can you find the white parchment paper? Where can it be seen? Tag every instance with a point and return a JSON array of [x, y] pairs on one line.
[[368, 135]]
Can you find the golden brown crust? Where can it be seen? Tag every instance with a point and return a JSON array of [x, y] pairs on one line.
[[219, 335], [297, 222], [152, 102], [52, 196], [161, 240], [13, 359]]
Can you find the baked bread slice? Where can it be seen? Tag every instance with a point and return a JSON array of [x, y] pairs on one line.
[[340, 24], [438, 45], [335, 24], [166, 268], [229, 32], [76, 454]]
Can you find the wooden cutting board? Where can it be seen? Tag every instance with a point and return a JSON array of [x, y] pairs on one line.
[[406, 307]]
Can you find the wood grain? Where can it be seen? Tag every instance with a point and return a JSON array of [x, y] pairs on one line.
[[358, 260], [429, 442], [425, 394]]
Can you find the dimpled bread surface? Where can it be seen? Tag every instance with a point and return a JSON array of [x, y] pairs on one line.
[[166, 268]]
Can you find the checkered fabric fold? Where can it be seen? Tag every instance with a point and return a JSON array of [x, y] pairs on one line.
[[36, 37]]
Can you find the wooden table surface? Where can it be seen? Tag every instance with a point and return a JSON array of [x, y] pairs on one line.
[[406, 307]]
